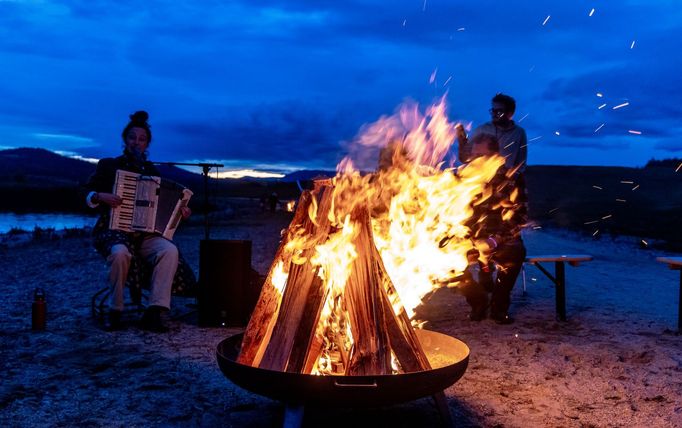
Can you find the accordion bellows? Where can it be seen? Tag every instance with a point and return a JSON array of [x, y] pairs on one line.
[[150, 204]]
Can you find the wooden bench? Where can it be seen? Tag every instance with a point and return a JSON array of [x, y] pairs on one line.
[[675, 263], [559, 277]]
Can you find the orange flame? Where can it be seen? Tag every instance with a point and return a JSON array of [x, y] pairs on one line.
[[418, 209]]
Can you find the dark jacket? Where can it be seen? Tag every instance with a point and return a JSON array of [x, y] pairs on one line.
[[105, 175], [502, 209], [103, 180]]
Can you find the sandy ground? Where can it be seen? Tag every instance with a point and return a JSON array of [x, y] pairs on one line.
[[615, 362]]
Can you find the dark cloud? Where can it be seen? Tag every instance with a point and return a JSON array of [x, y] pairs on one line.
[[214, 74], [288, 133]]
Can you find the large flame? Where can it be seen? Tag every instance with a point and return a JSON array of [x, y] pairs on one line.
[[418, 209]]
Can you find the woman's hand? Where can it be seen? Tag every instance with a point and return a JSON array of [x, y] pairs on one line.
[[185, 212], [108, 199]]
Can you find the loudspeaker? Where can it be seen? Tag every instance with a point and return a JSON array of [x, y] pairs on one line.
[[226, 296]]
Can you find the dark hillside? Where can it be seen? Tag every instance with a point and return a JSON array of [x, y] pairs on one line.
[[643, 202]]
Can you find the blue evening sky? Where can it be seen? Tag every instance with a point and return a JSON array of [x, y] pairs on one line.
[[280, 85]]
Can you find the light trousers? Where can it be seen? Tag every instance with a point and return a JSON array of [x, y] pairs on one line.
[[160, 254]]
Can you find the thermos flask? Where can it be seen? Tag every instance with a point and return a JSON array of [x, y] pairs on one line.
[[39, 310]]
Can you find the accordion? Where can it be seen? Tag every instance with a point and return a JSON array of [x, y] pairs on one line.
[[150, 204]]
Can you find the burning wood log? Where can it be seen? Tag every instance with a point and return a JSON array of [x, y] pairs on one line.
[[404, 342], [356, 328], [296, 319], [371, 353], [260, 325]]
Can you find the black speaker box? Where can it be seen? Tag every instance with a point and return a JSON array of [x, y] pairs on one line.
[[227, 294]]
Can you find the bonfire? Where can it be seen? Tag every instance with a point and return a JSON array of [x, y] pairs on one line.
[[364, 249]]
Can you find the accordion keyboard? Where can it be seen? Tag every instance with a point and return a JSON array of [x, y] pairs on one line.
[[126, 188]]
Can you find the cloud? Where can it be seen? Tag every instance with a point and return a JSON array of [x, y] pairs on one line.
[[282, 133]]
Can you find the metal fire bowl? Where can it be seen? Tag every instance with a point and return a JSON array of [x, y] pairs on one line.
[[448, 357]]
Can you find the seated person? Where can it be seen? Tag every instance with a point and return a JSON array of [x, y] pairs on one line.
[[121, 249], [496, 232]]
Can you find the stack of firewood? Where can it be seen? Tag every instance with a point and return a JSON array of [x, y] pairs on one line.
[[286, 332]]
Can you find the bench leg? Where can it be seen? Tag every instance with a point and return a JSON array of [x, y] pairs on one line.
[[560, 276], [679, 308]]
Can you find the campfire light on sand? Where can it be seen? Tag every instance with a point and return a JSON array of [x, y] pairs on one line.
[[399, 232]]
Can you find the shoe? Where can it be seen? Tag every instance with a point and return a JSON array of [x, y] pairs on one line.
[[151, 320], [503, 319], [113, 321]]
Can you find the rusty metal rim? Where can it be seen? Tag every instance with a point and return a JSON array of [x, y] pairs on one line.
[[349, 391]]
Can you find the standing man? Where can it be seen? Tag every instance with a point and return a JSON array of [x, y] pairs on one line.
[[510, 136]]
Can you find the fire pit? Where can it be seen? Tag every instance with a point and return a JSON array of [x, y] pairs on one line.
[[448, 357], [334, 323]]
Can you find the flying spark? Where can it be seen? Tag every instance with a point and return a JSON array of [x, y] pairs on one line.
[[433, 75], [599, 94], [621, 200], [546, 19], [510, 144], [602, 106], [607, 216], [597, 187], [447, 81], [595, 232], [557, 132], [598, 128], [591, 222], [552, 210], [525, 116], [461, 29], [537, 227], [627, 182], [632, 131], [592, 12], [536, 138], [678, 167], [635, 188], [404, 22], [625, 104], [632, 46], [424, 8]]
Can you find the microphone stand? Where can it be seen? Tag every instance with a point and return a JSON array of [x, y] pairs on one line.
[[205, 167]]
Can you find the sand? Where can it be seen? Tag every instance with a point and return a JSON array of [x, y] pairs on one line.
[[615, 362]]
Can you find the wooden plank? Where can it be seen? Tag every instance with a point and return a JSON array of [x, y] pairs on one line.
[[560, 258], [301, 283], [371, 352], [673, 262], [403, 339], [259, 328]]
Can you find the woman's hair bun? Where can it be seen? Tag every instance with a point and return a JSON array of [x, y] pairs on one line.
[[139, 117]]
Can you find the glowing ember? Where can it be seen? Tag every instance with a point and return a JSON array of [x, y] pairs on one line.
[[625, 104], [546, 20]]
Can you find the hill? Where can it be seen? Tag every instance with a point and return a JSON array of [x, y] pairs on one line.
[[644, 202], [38, 180]]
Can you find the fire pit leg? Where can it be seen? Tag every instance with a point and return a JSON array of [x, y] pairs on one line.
[[293, 416], [443, 409]]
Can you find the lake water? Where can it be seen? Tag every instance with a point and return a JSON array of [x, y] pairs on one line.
[[29, 221]]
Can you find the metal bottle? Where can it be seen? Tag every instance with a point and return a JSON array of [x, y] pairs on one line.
[[38, 310]]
